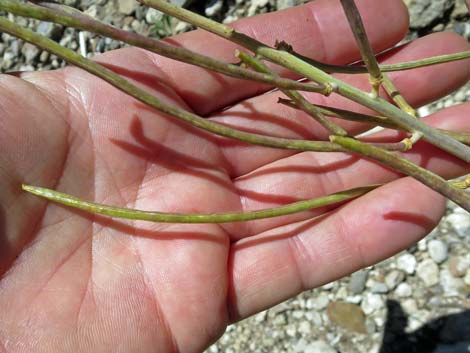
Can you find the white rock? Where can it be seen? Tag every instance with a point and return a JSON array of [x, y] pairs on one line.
[[452, 286], [403, 290], [410, 306], [394, 278], [328, 286], [319, 347], [305, 328], [259, 3], [354, 299], [153, 16], [371, 302], [458, 265], [437, 250], [466, 279], [379, 287], [127, 7], [428, 272], [422, 244], [460, 222], [321, 302], [213, 8], [407, 263]]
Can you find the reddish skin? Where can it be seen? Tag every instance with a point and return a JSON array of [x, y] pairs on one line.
[[75, 282]]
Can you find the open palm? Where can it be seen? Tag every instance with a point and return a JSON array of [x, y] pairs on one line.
[[72, 281]]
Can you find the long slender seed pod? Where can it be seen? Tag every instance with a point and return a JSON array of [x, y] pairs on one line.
[[127, 213]]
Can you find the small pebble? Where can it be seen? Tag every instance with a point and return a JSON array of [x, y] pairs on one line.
[[452, 286], [357, 281], [428, 272], [460, 222], [466, 279], [407, 263], [372, 302], [458, 265], [437, 250], [394, 278], [319, 346], [403, 290], [321, 302], [379, 287]]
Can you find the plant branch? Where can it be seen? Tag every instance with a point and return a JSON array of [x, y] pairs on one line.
[[373, 120], [299, 100], [68, 16], [408, 65], [368, 56], [229, 33], [127, 213], [125, 86], [404, 166], [292, 62]]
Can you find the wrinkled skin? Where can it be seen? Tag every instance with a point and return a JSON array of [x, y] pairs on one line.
[[74, 282]]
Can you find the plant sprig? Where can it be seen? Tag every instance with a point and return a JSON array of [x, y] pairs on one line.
[[400, 117]]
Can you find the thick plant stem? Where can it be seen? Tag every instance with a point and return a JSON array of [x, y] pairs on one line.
[[121, 212], [368, 56], [404, 166], [300, 101], [292, 62], [71, 17]]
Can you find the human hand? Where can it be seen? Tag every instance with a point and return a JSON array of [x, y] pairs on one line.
[[72, 281]]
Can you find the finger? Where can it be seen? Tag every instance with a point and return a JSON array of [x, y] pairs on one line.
[[273, 266], [307, 28], [309, 175], [264, 115]]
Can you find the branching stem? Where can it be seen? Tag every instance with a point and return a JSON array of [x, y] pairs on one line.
[[71, 17], [293, 63], [404, 166], [367, 53]]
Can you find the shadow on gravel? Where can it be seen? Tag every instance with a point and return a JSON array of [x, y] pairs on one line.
[[447, 334]]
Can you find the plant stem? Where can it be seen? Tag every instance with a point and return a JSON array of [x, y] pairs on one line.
[[401, 102], [71, 17], [300, 101], [141, 95], [404, 166], [393, 92], [408, 65], [373, 120], [251, 44], [121, 212], [368, 56], [292, 62]]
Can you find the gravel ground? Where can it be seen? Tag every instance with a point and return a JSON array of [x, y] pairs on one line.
[[417, 301]]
